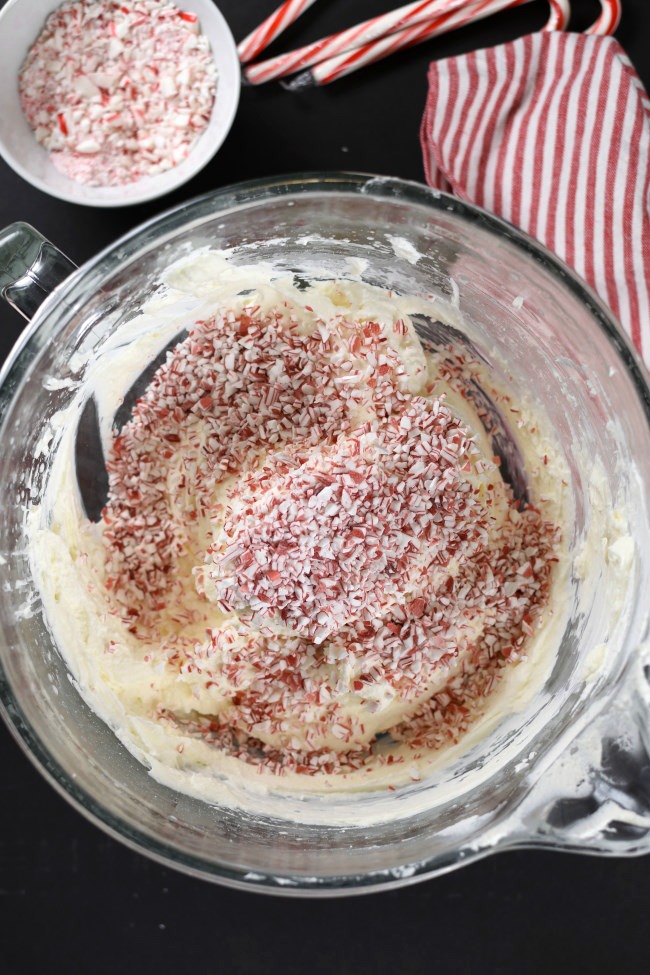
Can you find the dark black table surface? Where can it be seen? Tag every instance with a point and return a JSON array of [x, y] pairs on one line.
[[74, 900]]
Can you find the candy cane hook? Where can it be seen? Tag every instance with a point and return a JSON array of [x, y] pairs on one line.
[[608, 21]]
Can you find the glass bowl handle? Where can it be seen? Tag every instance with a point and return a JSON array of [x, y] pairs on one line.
[[30, 268], [595, 795]]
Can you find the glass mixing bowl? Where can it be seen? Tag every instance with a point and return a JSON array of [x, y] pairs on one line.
[[571, 769]]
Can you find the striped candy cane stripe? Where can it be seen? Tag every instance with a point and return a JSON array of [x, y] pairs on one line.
[[334, 68], [271, 28], [609, 18], [369, 30], [552, 132]]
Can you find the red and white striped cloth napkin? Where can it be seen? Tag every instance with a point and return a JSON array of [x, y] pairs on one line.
[[552, 132]]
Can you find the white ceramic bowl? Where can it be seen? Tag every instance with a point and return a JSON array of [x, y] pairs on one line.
[[20, 24]]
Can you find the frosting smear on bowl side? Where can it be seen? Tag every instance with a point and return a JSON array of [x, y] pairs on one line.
[[310, 566]]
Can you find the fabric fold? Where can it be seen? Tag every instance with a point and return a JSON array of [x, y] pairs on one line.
[[552, 132]]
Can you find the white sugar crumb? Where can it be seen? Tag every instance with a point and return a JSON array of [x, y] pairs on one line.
[[401, 873]]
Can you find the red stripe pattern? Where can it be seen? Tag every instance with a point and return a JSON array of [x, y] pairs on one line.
[[552, 132], [462, 13], [271, 28], [421, 12]]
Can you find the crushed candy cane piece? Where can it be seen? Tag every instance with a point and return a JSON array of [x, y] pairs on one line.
[[118, 91], [365, 564]]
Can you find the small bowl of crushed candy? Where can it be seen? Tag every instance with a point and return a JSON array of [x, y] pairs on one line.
[[114, 102]]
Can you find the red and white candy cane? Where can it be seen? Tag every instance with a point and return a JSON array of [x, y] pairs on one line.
[[271, 28], [609, 19], [353, 37], [560, 15], [336, 67]]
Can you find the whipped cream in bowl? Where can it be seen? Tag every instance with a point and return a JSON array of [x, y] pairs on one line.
[[315, 550]]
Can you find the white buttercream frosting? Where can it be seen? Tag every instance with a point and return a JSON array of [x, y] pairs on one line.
[[130, 680]]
